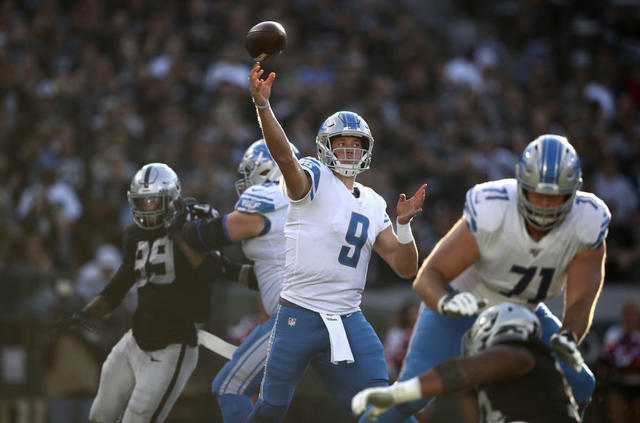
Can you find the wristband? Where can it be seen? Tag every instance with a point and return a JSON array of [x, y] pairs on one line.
[[265, 106], [408, 390], [446, 298], [405, 236]]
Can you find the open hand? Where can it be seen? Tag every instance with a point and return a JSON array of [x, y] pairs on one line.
[[407, 208], [260, 88]]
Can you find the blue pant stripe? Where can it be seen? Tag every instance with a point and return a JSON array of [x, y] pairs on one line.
[[266, 360]]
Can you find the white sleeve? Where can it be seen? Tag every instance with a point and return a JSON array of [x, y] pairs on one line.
[[260, 199], [315, 169], [484, 210], [593, 225]]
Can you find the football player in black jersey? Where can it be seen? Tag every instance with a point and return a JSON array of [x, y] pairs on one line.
[[515, 374], [147, 369]]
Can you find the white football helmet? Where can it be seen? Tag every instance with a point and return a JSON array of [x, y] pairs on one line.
[[548, 165], [345, 124], [152, 195], [257, 166], [502, 322]]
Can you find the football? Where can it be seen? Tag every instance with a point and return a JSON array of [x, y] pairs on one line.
[[265, 39]]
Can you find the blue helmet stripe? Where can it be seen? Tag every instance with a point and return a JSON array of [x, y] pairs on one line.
[[350, 120], [557, 162], [550, 171]]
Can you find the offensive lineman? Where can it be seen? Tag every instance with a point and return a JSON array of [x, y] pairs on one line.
[[517, 377], [333, 223], [521, 240], [257, 221], [147, 369]]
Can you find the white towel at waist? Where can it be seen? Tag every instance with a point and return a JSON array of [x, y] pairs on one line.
[[340, 348]]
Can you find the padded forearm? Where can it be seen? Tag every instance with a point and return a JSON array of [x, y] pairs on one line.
[[205, 235]]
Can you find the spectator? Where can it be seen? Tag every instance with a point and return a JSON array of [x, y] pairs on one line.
[[107, 86], [396, 338], [621, 359]]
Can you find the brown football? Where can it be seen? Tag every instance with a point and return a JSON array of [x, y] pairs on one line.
[[265, 39]]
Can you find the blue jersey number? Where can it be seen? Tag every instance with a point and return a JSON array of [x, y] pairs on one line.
[[356, 237], [528, 273]]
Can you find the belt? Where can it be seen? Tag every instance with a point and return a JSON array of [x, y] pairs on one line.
[[287, 303]]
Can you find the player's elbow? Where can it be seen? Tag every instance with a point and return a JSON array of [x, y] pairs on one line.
[[285, 160], [407, 272]]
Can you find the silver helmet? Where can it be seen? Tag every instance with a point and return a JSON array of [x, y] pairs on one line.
[[257, 166], [345, 124], [152, 195], [500, 323], [548, 165]]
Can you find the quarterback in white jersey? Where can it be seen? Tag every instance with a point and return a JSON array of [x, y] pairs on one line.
[[520, 240], [332, 225], [332, 278]]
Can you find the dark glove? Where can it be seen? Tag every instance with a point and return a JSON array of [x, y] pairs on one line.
[[212, 265], [79, 318], [187, 210], [252, 280], [174, 224], [232, 270], [201, 211]]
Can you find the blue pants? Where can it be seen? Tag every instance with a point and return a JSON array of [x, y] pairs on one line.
[[240, 377], [437, 338], [299, 338]]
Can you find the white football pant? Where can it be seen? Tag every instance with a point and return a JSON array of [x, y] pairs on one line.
[[141, 386]]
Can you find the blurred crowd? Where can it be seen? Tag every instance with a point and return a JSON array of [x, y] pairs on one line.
[[91, 90]]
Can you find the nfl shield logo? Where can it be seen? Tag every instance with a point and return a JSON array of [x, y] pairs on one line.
[[292, 321]]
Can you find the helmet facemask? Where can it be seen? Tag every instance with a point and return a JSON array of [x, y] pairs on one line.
[[345, 124], [541, 217], [548, 165]]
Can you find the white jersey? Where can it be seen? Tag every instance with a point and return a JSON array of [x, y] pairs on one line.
[[330, 234], [514, 267], [267, 249]]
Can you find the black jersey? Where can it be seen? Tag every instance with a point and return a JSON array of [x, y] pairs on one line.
[[172, 295], [541, 396]]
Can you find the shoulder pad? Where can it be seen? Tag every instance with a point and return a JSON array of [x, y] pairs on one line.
[[261, 198], [314, 168], [593, 217], [485, 204]]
